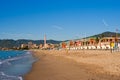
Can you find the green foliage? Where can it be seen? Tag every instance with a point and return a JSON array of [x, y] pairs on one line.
[[97, 39]]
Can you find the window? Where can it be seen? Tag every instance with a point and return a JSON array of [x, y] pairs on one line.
[[110, 40]]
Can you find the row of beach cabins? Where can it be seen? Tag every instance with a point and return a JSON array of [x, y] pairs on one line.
[[93, 43]]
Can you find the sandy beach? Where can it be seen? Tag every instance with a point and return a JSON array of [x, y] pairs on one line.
[[75, 65]]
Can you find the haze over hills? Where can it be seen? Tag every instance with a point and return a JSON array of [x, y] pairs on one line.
[[10, 43]]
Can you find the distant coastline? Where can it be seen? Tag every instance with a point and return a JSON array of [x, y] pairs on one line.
[[9, 44], [22, 44]]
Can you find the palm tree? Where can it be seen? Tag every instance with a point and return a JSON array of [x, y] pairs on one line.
[[97, 39]]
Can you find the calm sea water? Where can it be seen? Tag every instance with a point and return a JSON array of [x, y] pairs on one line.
[[15, 64]]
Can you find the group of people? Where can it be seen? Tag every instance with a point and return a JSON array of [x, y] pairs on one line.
[[115, 46]]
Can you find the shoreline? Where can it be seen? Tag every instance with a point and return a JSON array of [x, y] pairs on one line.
[[76, 65], [15, 64]]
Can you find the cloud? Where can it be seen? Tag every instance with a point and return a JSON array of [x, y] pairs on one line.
[[105, 23], [57, 27]]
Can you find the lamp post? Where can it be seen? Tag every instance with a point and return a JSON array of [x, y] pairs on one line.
[[116, 40], [116, 35]]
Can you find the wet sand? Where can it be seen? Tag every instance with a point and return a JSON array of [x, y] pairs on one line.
[[75, 65]]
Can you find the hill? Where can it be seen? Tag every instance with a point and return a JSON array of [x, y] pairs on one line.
[[106, 34], [9, 43]]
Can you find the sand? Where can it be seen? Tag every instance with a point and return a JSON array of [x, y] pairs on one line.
[[75, 65]]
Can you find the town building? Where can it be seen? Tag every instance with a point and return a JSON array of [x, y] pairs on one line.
[[91, 43]]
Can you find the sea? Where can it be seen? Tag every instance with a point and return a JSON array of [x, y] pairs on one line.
[[15, 64]]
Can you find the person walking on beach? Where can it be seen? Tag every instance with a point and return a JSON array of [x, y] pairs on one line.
[[112, 46]]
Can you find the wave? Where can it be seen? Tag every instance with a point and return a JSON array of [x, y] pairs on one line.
[[14, 58], [13, 68], [3, 76], [23, 60]]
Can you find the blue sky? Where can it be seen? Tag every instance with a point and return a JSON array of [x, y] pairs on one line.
[[58, 19]]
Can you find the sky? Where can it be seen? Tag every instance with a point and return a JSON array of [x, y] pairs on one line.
[[57, 19]]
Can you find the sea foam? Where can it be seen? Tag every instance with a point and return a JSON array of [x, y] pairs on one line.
[[13, 68]]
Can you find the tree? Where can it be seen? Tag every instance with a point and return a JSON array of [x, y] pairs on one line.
[[97, 39]]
